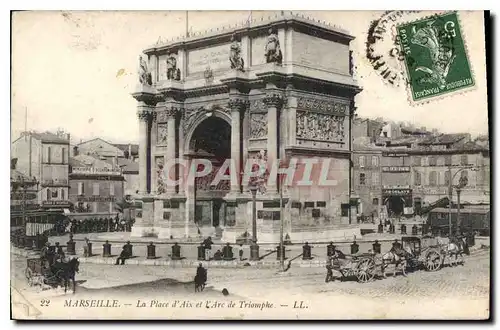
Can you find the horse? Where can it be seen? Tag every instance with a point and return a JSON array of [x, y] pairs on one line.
[[65, 271], [337, 255], [396, 258], [454, 248]]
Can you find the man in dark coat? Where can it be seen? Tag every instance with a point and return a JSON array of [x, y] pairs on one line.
[[201, 274], [125, 254]]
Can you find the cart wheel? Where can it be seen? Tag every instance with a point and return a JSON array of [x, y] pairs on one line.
[[433, 261], [365, 270]]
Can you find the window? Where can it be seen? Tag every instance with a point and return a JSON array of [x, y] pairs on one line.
[[54, 193], [464, 160], [432, 178], [375, 179], [48, 154], [432, 161], [417, 161], [447, 160], [49, 195], [80, 188], [362, 178], [111, 188], [361, 161], [375, 201], [63, 156], [447, 178], [344, 210], [62, 194], [374, 161], [417, 179], [95, 189]]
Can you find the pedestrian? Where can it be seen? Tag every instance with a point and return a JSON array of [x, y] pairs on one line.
[[125, 254], [86, 248], [208, 248], [240, 252]]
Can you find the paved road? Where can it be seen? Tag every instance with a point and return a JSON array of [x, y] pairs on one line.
[[461, 291]]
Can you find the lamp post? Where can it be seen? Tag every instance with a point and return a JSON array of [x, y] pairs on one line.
[[254, 247], [462, 183]]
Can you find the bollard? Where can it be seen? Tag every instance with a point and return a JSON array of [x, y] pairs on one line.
[[403, 229], [380, 228], [151, 251], [306, 252], [201, 252], [414, 230], [376, 247], [278, 252], [106, 249], [254, 251], [70, 246], [392, 229], [354, 247], [227, 252], [176, 252], [330, 249]]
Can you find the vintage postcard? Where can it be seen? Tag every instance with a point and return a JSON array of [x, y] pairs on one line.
[[242, 165]]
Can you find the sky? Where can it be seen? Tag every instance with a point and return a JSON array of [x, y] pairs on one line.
[[65, 71]]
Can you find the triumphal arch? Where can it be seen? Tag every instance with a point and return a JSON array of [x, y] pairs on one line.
[[279, 91]]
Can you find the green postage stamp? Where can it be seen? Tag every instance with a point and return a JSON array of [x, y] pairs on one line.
[[435, 57]]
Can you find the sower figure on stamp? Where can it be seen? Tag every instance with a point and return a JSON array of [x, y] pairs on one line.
[[125, 254]]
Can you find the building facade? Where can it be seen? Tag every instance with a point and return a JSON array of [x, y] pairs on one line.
[[257, 92], [45, 157], [367, 180], [95, 185]]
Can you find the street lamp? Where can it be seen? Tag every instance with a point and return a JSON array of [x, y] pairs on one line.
[[463, 181], [254, 248]]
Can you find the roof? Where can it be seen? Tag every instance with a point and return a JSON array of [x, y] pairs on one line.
[[134, 147], [444, 139], [131, 167], [89, 161], [414, 131], [16, 176], [464, 210], [46, 137]]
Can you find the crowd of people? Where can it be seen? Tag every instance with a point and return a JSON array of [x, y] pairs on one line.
[[84, 226]]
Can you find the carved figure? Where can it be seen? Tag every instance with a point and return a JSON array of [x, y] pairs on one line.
[[258, 125], [319, 126], [173, 73], [162, 134], [144, 74], [235, 54], [160, 181], [273, 50]]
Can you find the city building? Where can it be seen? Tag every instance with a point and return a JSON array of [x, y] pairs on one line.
[[277, 98], [366, 159], [103, 149], [95, 185], [45, 157]]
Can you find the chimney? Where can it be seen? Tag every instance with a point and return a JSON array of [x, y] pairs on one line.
[[75, 151], [129, 151]]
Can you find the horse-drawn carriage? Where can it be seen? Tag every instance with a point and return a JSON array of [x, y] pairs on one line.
[[362, 266], [415, 253], [37, 274], [59, 273]]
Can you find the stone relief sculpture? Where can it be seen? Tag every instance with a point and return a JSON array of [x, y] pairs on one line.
[[258, 125], [318, 126], [235, 54], [173, 72], [160, 183], [144, 74], [161, 137], [273, 51]]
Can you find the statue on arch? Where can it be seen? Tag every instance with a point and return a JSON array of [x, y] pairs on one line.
[[273, 51], [144, 74], [235, 54], [173, 73]]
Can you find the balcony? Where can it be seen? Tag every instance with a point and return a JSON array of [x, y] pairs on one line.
[[55, 183], [95, 171]]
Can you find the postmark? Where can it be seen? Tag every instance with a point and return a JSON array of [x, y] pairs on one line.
[[435, 57]]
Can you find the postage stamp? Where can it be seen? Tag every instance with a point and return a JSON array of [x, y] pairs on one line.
[[435, 57]]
